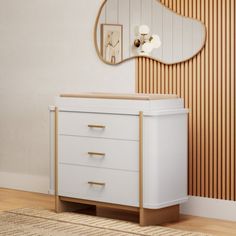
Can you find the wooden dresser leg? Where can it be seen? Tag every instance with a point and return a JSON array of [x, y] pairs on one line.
[[158, 216]]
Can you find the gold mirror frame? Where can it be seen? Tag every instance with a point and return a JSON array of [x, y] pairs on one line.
[[144, 56]]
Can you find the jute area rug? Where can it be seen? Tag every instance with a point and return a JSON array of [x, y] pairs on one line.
[[33, 222]]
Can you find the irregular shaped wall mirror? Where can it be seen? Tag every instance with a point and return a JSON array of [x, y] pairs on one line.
[[126, 29]]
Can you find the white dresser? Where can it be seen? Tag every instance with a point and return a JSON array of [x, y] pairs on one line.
[[122, 151]]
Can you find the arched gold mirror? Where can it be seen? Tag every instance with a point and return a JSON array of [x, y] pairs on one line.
[[126, 29]]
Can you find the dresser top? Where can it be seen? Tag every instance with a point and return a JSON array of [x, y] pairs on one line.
[[134, 96], [113, 103]]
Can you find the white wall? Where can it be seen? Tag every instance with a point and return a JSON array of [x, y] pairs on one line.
[[46, 48], [181, 37]]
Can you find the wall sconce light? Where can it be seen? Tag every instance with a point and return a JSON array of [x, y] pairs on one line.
[[146, 42]]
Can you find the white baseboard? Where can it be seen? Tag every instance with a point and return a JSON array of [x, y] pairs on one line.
[[51, 191], [210, 208], [19, 181]]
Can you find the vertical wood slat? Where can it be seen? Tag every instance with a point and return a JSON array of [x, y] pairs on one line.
[[219, 101], [189, 95], [139, 74], [206, 120], [207, 84], [215, 104], [144, 74], [233, 95], [198, 117], [159, 76], [223, 141], [202, 105], [228, 91], [211, 104], [137, 81], [151, 77], [194, 108], [147, 76]]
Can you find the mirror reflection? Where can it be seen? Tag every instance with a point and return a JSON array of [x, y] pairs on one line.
[[132, 28]]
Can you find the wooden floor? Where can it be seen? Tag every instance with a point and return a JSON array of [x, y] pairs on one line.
[[12, 199]]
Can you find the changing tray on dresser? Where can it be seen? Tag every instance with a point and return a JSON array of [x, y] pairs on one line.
[[121, 151]]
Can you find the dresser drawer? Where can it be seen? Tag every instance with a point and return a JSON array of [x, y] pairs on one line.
[[99, 125], [112, 186], [99, 152]]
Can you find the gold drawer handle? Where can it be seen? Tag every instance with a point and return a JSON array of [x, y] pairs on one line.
[[96, 154], [97, 126], [96, 183]]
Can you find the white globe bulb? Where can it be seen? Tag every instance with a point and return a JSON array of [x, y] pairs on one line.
[[147, 47], [144, 29], [156, 42]]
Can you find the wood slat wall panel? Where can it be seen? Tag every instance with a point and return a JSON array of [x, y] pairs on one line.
[[207, 84]]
